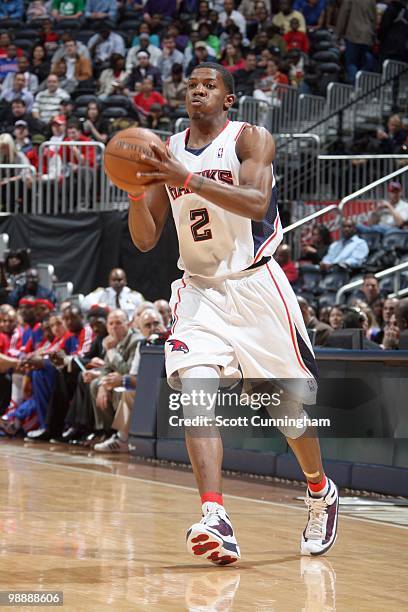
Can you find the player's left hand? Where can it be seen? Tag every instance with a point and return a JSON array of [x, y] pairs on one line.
[[166, 169]]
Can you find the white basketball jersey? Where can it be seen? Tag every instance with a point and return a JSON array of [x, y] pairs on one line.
[[215, 242]]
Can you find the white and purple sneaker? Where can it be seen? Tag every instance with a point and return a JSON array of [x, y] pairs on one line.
[[321, 529], [213, 537]]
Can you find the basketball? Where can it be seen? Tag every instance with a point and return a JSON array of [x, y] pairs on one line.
[[122, 157]]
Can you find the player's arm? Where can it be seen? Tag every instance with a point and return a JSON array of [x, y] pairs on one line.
[[255, 149], [147, 215]]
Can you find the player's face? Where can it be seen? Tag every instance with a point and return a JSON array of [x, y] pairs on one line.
[[206, 94]]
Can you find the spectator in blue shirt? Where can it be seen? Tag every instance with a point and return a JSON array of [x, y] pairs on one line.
[[100, 9], [31, 287], [312, 11], [11, 9], [351, 251]]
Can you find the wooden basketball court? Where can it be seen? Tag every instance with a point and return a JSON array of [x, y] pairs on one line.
[[109, 532]]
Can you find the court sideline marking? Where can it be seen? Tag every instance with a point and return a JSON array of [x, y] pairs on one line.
[[186, 488]]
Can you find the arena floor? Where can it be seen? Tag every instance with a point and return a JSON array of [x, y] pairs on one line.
[[109, 532]]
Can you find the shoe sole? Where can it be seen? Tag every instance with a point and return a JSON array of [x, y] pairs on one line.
[[332, 543], [204, 544]]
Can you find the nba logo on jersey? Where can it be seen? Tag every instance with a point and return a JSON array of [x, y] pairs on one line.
[[220, 152]]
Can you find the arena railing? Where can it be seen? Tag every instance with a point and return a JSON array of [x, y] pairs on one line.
[[295, 166], [394, 271], [18, 188]]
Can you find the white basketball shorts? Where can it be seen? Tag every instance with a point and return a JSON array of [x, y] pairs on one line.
[[249, 324]]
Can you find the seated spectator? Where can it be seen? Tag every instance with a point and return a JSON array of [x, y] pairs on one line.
[[295, 39], [79, 68], [18, 112], [389, 308], [94, 126], [21, 137], [276, 41], [146, 97], [95, 10], [313, 11], [283, 18], [46, 103], [150, 323], [391, 139], [397, 324], [230, 14], [154, 39], [200, 56], [170, 56], [143, 70], [267, 88], [295, 64], [18, 91], [11, 9], [117, 295], [369, 292], [144, 44], [5, 42], [231, 58], [82, 49], [39, 64], [318, 247], [394, 213], [323, 330], [283, 256], [48, 38], [163, 307], [354, 318], [31, 287], [174, 91], [23, 67], [246, 77], [373, 223], [36, 10], [15, 265], [157, 120], [13, 180], [336, 316], [78, 155], [350, 251], [112, 76], [204, 33], [103, 44], [9, 62], [61, 10]]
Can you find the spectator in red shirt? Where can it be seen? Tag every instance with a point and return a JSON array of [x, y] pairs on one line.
[[283, 257], [77, 155], [5, 42], [146, 97], [295, 39]]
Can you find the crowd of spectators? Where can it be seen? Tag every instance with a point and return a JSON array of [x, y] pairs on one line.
[[69, 373]]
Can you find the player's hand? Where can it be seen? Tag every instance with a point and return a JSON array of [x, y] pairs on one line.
[[166, 169]]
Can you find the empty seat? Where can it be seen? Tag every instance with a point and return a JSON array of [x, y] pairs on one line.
[[45, 274], [129, 24], [63, 291], [326, 56], [28, 34], [80, 111], [4, 240], [396, 239], [24, 43], [117, 100], [85, 99], [84, 35], [373, 239], [334, 280], [310, 277], [114, 112]]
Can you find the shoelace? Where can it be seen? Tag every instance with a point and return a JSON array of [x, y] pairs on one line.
[[213, 517], [317, 513]]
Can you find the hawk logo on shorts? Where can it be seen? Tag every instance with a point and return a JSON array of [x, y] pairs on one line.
[[178, 345]]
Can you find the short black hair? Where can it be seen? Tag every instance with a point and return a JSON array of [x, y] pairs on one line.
[[226, 76]]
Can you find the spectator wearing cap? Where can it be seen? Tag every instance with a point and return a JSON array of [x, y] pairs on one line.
[[16, 111], [21, 137], [230, 14], [31, 80], [312, 10], [18, 91], [62, 10], [170, 56], [142, 71], [286, 13], [144, 45], [175, 89], [394, 211], [144, 28], [95, 10], [31, 287], [200, 56], [116, 73], [116, 295], [350, 251], [146, 97], [102, 45], [11, 9], [79, 68], [189, 50], [47, 103]]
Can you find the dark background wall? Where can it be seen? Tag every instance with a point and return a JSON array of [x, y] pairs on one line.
[[84, 247]]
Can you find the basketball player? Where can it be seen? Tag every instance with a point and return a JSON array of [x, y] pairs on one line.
[[234, 310]]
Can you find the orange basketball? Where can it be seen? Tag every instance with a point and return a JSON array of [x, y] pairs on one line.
[[122, 157]]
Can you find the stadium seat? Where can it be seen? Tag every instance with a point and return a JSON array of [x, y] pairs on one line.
[[36, 24], [80, 111], [396, 239], [84, 35], [4, 241], [63, 291], [334, 280], [24, 43], [69, 24], [28, 34], [114, 112], [45, 274], [82, 92], [85, 99], [323, 45], [373, 239], [117, 100], [320, 35], [310, 277], [127, 25], [326, 56]]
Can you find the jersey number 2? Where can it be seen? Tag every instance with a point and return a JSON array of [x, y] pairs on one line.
[[201, 218]]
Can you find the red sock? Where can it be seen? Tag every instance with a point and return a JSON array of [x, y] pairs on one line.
[[316, 487], [211, 496]]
